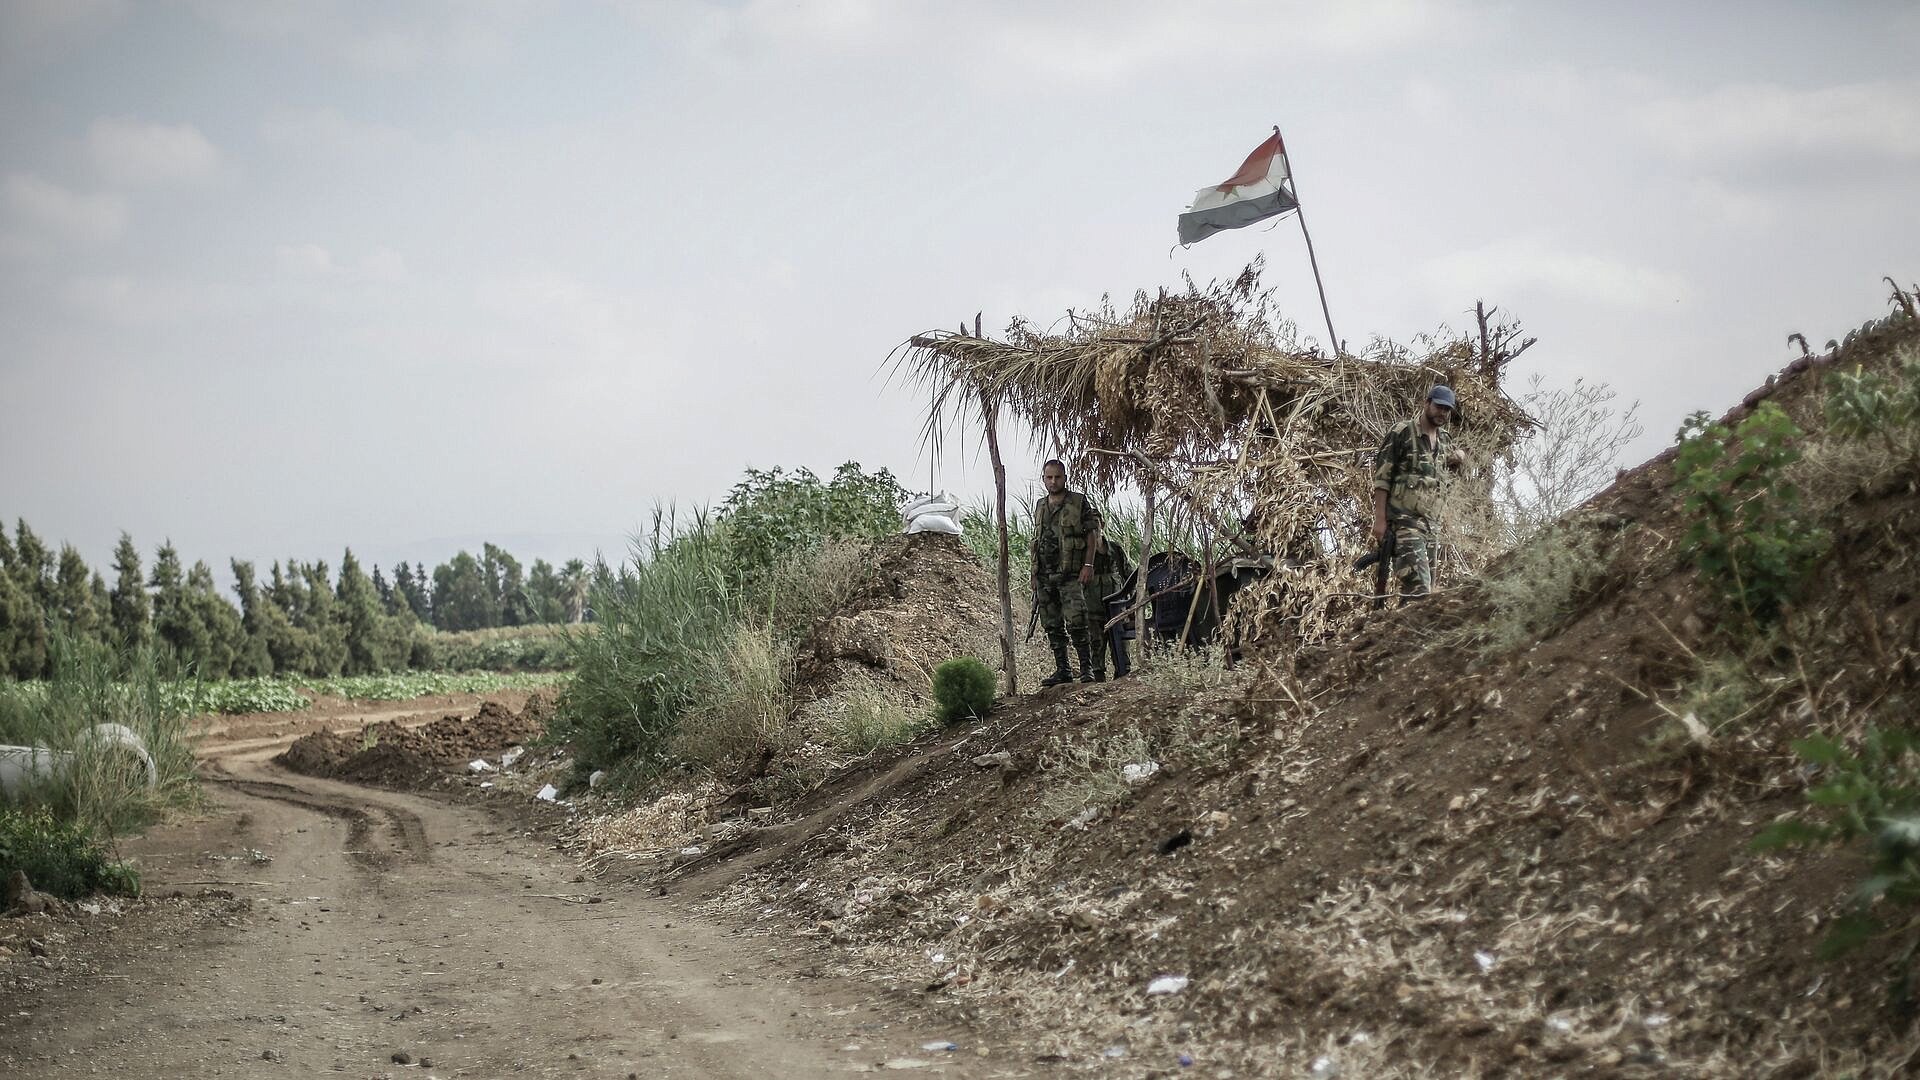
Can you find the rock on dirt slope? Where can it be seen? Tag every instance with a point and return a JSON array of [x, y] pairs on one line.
[[1408, 855]]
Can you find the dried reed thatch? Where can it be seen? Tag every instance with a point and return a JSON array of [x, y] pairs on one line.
[[1208, 396]]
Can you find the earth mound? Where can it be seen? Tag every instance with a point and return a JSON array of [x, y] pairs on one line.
[[924, 599], [396, 754], [1413, 853]]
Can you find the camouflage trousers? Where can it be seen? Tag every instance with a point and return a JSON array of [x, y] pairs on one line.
[[1073, 613], [1413, 560]]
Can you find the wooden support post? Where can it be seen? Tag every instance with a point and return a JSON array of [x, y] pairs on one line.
[[990, 414], [1140, 574]]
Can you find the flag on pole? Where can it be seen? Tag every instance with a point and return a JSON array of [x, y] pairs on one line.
[[1258, 191]]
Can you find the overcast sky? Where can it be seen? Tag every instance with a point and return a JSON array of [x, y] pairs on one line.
[[277, 277]]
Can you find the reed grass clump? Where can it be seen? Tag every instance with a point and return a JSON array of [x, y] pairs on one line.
[[89, 779]]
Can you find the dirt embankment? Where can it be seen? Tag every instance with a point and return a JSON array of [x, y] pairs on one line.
[[1405, 856]]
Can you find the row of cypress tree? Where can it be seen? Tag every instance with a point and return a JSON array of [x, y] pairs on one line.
[[300, 619]]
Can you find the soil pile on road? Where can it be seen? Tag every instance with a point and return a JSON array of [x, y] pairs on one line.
[[397, 754], [1414, 853]]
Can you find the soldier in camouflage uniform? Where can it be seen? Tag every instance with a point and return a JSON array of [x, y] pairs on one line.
[[1407, 486], [1066, 539]]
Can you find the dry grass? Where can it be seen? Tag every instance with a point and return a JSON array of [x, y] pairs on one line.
[[818, 581], [652, 830], [861, 719], [746, 710], [1539, 586], [1085, 774]]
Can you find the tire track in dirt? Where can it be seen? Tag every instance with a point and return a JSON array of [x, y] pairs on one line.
[[387, 923], [401, 837]]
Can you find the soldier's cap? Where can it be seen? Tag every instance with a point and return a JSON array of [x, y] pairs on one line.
[[1442, 395]]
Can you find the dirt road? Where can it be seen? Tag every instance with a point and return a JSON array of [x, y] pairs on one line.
[[392, 932]]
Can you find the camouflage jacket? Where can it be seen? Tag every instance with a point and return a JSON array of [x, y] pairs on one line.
[[1060, 533], [1412, 473]]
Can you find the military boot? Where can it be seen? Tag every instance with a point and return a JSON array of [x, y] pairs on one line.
[[1088, 673], [1062, 672]]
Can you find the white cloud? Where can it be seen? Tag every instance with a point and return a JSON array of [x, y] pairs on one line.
[[130, 301], [34, 33], [1718, 203], [1782, 127], [129, 152], [386, 266], [380, 37], [304, 259], [41, 212], [1520, 266], [1059, 41], [330, 131], [383, 266]]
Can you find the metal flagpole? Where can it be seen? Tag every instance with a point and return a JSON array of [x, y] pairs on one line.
[[1300, 212]]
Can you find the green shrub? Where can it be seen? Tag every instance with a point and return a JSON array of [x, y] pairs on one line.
[[60, 857], [1871, 796], [1749, 538], [771, 514], [963, 688]]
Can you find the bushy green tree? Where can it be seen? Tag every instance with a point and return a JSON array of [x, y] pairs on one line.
[[173, 631], [370, 645], [73, 590], [220, 639], [131, 609], [33, 566], [256, 656], [462, 597], [384, 590], [506, 584], [411, 589], [322, 621], [23, 632], [544, 594]]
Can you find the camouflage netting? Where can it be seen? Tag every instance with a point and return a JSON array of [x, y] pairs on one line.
[[1214, 402]]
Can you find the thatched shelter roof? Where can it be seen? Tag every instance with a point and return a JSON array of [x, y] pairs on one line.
[[1208, 394]]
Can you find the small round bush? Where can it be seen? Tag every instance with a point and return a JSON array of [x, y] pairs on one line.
[[962, 688]]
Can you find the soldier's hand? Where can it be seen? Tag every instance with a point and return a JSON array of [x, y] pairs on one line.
[[1379, 529], [1086, 574], [1457, 460]]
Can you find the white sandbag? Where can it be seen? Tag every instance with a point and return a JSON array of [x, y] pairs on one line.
[[934, 523], [942, 503]]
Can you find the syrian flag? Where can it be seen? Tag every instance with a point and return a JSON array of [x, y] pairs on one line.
[[1259, 190]]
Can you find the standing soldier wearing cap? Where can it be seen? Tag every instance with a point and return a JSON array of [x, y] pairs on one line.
[[1068, 591], [1407, 487]]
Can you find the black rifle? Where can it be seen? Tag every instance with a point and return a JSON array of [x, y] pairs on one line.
[[1383, 567], [1033, 618]]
